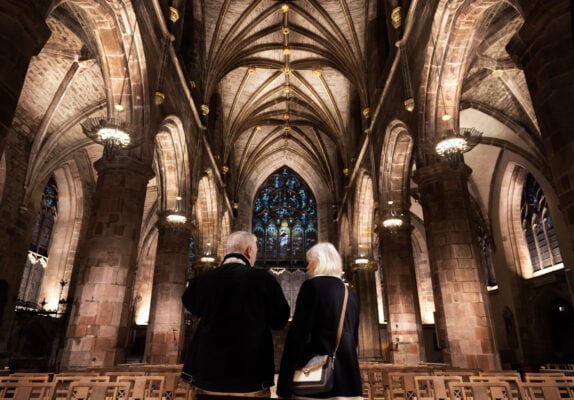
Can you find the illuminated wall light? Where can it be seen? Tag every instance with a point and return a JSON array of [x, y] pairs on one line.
[[409, 104], [158, 98], [173, 14], [119, 107], [446, 117], [396, 17], [204, 109], [366, 112]]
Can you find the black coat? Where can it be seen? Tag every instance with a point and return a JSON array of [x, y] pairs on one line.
[[314, 330], [232, 348]]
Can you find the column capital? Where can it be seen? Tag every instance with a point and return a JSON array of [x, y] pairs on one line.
[[439, 171], [124, 164]]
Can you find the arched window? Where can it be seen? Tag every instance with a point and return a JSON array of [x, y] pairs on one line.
[[284, 220], [38, 253], [538, 227]]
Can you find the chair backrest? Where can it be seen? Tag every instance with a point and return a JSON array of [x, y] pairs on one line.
[[114, 374], [548, 378], [64, 381], [547, 390], [432, 387], [27, 390], [479, 390], [511, 379], [30, 376], [85, 390], [148, 387]]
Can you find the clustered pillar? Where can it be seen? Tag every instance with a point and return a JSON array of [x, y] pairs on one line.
[[462, 313], [404, 326], [165, 329], [102, 310]]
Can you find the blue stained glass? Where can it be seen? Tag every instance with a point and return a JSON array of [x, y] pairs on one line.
[[284, 220]]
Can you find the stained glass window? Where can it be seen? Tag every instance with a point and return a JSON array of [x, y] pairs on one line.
[[284, 220], [538, 227]]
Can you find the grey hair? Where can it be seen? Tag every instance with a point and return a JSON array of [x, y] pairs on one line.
[[328, 259], [239, 241]]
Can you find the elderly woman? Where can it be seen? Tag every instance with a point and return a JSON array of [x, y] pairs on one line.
[[314, 327]]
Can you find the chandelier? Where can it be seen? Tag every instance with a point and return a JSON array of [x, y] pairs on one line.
[[393, 220], [111, 133], [176, 216], [454, 144]]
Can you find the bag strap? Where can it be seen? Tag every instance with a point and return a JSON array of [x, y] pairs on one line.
[[341, 321]]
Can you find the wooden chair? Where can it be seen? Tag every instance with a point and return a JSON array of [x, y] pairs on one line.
[[27, 390], [432, 387], [548, 377], [114, 374], [402, 385], [547, 390], [85, 390], [512, 379], [30, 376], [479, 390], [148, 387], [64, 380], [374, 385], [175, 388]]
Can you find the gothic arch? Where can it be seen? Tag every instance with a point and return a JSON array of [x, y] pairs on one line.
[[207, 215], [363, 218], [65, 234]]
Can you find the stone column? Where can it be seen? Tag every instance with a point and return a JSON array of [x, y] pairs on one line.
[[462, 313], [404, 325], [165, 329], [101, 313], [23, 33], [364, 282]]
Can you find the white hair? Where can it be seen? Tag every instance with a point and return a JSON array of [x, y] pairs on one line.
[[239, 241], [328, 259]]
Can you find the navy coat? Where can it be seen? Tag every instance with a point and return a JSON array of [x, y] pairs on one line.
[[232, 348], [314, 331]]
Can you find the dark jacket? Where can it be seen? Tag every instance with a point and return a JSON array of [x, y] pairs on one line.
[[232, 348], [314, 331]]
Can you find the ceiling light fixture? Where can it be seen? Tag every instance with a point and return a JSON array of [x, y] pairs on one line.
[[176, 216], [454, 143], [393, 220]]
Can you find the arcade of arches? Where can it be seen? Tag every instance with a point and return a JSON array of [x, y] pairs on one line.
[[301, 121]]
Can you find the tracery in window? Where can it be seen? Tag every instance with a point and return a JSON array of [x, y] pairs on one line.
[[538, 228], [38, 254], [284, 220]]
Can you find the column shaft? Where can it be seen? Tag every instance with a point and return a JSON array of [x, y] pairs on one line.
[[462, 313], [102, 309], [165, 329], [404, 325], [369, 338]]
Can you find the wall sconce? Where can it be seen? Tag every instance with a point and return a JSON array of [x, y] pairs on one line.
[[173, 14], [409, 104], [397, 17], [158, 98]]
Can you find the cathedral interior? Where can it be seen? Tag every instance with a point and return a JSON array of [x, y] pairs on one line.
[[430, 141]]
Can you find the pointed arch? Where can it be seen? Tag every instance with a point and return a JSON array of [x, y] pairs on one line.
[[206, 211], [363, 218]]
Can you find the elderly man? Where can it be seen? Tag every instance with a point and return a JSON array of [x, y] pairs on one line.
[[232, 349]]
